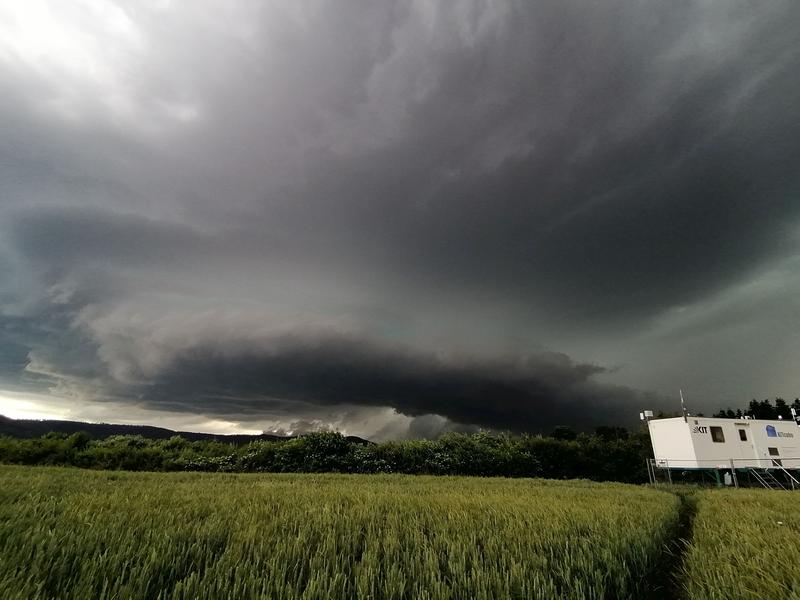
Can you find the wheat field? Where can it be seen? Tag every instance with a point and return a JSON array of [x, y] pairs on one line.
[[67, 533], [745, 545]]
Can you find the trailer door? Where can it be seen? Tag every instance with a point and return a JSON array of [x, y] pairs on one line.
[[747, 446]]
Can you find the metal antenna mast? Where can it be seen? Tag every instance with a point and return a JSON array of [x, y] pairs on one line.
[[683, 406]]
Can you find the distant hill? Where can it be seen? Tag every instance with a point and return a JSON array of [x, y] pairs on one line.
[[29, 428]]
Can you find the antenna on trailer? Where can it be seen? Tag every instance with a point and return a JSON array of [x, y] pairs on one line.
[[683, 406]]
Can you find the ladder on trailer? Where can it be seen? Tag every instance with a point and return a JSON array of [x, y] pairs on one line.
[[767, 479]]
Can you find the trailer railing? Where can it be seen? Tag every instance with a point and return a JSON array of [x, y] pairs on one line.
[[772, 472]]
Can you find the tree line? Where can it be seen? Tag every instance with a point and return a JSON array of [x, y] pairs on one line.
[[608, 454], [763, 409]]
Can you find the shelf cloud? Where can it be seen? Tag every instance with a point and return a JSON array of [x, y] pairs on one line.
[[398, 219]]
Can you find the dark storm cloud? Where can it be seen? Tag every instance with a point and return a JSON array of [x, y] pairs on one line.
[[69, 237], [182, 186], [601, 162], [510, 393], [15, 334], [602, 185], [32, 343]]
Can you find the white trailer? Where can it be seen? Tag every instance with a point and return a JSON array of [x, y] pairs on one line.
[[712, 443]]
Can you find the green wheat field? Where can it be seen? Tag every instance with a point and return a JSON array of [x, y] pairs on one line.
[[69, 533]]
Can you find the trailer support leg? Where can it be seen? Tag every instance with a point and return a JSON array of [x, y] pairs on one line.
[[651, 471]]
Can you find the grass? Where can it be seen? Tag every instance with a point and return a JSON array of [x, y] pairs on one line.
[[84, 534], [745, 545]]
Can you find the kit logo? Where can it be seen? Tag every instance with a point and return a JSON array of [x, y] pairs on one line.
[[699, 429]]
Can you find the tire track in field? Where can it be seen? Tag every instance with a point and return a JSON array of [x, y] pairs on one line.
[[666, 580]]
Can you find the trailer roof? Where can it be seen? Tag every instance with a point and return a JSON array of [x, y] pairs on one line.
[[727, 420]]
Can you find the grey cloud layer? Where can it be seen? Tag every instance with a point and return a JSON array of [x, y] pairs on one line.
[[252, 376], [386, 184]]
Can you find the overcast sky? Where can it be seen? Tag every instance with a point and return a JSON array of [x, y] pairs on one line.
[[397, 218]]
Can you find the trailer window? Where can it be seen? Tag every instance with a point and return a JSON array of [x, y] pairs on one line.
[[717, 435], [773, 451], [743, 435]]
